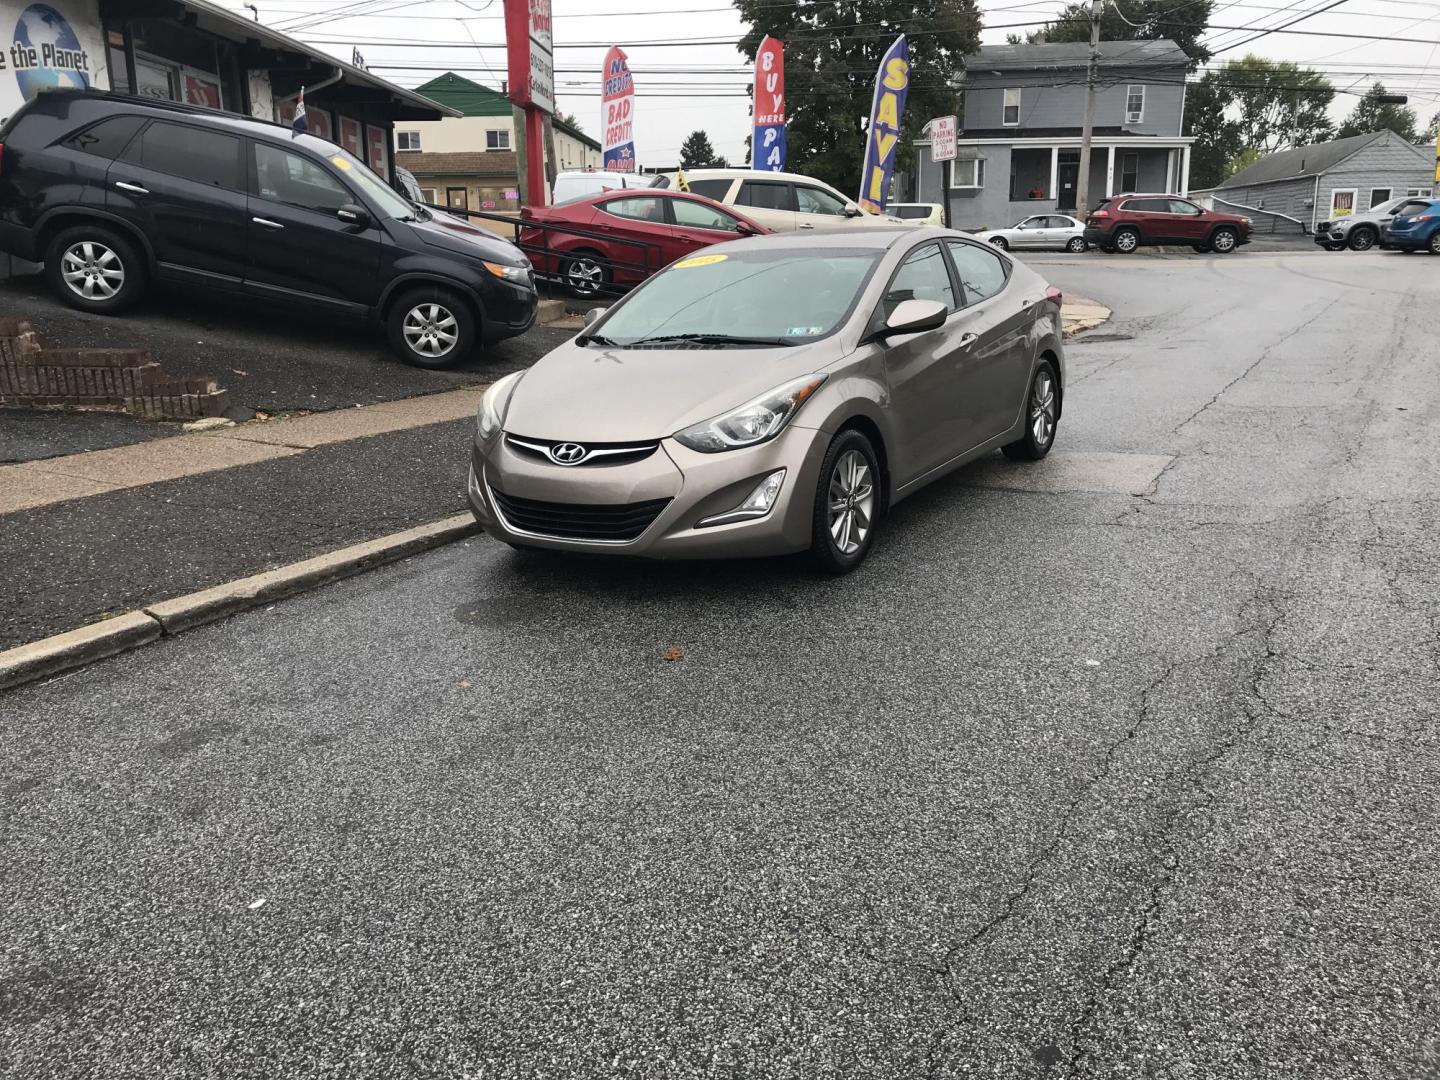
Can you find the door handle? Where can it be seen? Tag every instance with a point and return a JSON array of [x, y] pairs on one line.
[[136, 188], [966, 340], [267, 223], [805, 225]]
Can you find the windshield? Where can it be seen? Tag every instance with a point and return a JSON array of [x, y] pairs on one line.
[[379, 192], [784, 296]]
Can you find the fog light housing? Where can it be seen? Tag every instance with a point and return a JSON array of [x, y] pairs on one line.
[[756, 505]]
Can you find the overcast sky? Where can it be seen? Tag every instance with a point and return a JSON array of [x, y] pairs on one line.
[[393, 35]]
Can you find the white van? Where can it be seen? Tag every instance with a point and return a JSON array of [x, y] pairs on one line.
[[781, 201], [578, 183]]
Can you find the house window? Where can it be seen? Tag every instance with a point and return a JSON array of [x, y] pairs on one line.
[[497, 140], [457, 198], [407, 140], [1135, 104], [1129, 172], [428, 194], [1342, 202], [1012, 107], [1421, 192], [1379, 195], [967, 174]]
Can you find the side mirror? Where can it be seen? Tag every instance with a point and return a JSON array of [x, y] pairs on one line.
[[592, 316], [744, 229], [851, 210], [914, 317], [352, 214]]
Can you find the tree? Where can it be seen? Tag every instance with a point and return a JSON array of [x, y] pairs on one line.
[[569, 119], [1433, 131], [1140, 20], [1242, 161], [1371, 114], [832, 51], [1218, 137], [697, 153], [1279, 103]]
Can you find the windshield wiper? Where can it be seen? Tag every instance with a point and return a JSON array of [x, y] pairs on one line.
[[595, 339], [709, 339]]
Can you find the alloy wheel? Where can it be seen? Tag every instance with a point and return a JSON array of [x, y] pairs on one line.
[[1042, 408], [1362, 240], [430, 329], [1075, 244], [1126, 242], [852, 502], [1000, 242], [1223, 241], [585, 276], [92, 269], [1434, 244]]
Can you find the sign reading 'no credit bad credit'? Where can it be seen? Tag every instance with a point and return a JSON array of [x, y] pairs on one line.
[[617, 112], [530, 51]]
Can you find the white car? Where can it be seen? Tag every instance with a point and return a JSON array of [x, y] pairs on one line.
[[918, 213], [1059, 232], [782, 202], [577, 183]]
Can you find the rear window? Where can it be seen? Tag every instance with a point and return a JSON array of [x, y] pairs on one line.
[[711, 189], [1416, 207], [766, 195], [910, 212], [108, 138], [1147, 206]]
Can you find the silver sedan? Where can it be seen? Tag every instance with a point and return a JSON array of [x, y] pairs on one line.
[[771, 395], [1057, 232]]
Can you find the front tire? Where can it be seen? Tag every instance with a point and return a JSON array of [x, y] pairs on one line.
[[1077, 244], [1362, 239], [1125, 241], [1042, 408], [95, 269], [847, 502], [431, 327], [1223, 241], [585, 273], [1000, 242]]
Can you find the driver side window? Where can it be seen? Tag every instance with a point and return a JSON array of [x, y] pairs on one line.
[[922, 276], [289, 178], [811, 200]]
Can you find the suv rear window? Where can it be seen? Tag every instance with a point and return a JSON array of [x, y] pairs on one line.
[[711, 189], [1147, 206], [1410, 208], [108, 138], [206, 157], [766, 195]]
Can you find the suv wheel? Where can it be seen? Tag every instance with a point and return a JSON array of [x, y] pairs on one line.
[[1362, 238], [95, 269], [1125, 241], [1223, 240], [431, 327]]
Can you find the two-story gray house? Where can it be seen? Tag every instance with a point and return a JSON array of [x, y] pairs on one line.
[[1021, 109]]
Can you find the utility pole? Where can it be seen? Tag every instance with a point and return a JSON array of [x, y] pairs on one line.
[[1087, 130], [522, 171]]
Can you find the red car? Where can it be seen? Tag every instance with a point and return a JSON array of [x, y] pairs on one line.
[[621, 237], [1124, 222]]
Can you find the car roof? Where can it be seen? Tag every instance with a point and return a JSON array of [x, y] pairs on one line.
[[756, 174], [876, 238]]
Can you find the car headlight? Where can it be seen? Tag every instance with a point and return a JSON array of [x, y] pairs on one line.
[[754, 422], [492, 406], [509, 273]]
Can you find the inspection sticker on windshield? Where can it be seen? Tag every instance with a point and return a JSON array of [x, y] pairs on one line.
[[340, 163], [804, 331], [700, 260]]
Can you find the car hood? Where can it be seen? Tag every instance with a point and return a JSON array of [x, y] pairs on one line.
[[452, 234], [594, 394]]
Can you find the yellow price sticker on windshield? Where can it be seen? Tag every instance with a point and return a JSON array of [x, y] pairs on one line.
[[340, 163], [700, 260]]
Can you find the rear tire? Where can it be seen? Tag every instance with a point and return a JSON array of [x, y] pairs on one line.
[[96, 269], [1000, 242], [431, 327], [1042, 408], [847, 504], [1077, 244], [1435, 244], [1125, 241], [1224, 240], [585, 273]]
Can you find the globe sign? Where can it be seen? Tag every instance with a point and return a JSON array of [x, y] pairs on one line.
[[42, 25]]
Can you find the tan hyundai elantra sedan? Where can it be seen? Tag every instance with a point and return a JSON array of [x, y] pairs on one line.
[[770, 395]]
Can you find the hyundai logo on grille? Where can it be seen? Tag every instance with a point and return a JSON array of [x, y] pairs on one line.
[[567, 453]]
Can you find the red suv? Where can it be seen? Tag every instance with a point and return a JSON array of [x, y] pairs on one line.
[[1124, 222]]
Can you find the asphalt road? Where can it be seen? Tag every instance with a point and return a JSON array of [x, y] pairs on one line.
[[1062, 784]]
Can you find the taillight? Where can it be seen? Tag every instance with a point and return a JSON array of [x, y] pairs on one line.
[[2, 158], [1100, 215], [1055, 295], [1422, 217]]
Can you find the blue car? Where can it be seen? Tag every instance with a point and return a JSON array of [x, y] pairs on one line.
[[1415, 227]]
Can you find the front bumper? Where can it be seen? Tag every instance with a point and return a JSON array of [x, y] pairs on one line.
[[510, 308], [696, 486]]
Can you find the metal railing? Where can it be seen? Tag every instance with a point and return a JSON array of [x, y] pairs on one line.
[[1273, 215], [551, 262]]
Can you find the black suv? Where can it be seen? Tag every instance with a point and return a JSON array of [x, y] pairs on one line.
[[115, 193]]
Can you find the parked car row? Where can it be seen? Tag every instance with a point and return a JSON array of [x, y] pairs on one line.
[[1407, 224]]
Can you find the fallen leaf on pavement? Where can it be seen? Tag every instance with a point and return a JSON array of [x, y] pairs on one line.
[[464, 684], [237, 371], [672, 654]]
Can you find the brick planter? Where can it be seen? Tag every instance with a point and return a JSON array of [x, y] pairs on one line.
[[117, 380]]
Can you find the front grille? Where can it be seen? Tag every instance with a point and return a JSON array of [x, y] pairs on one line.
[[579, 521], [595, 453]]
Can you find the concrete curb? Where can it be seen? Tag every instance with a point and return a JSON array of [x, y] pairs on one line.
[[76, 648], [1080, 313]]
